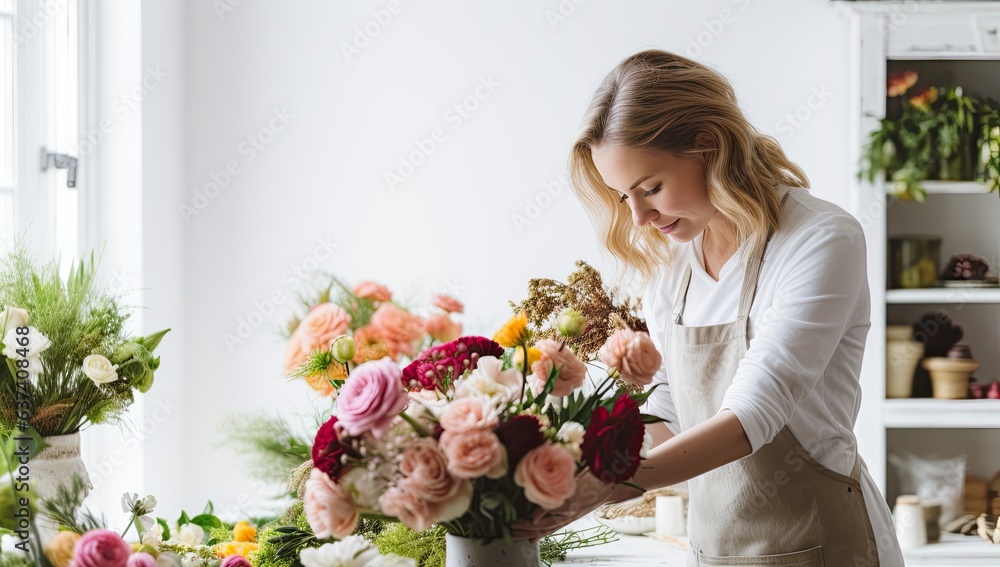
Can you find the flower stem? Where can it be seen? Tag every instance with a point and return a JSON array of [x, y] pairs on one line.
[[524, 371], [130, 522], [420, 429]]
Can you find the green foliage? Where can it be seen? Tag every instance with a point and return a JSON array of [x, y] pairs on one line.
[[80, 317], [936, 135], [426, 547], [269, 443], [67, 510], [12, 560]]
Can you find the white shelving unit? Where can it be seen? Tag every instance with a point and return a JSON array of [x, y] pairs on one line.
[[944, 41]]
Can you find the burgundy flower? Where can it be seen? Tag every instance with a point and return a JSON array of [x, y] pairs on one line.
[[327, 450], [613, 441], [448, 361], [519, 435]]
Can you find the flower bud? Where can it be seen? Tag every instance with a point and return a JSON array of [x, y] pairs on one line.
[[571, 323], [343, 348]]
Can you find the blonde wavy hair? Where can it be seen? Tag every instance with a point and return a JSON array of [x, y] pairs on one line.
[[659, 100]]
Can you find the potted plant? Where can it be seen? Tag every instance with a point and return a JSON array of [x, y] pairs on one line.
[[940, 133]]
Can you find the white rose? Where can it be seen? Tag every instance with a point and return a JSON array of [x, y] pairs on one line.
[[37, 343], [352, 551], [364, 486], [12, 317], [391, 561], [191, 535], [168, 559], [153, 537], [647, 444], [571, 434], [99, 369]]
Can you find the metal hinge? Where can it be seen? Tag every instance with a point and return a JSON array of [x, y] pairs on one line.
[[61, 161]]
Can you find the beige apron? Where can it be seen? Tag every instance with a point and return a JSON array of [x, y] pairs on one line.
[[778, 506]]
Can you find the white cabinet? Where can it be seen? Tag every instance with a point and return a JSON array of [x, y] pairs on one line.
[[947, 43]]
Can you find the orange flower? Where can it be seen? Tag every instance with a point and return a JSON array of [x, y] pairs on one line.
[[901, 82], [923, 100], [442, 328], [514, 332], [373, 291], [370, 346], [244, 532], [230, 548], [399, 330], [449, 304], [321, 381], [534, 355]]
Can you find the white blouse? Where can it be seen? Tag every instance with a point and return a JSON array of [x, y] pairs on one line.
[[808, 325]]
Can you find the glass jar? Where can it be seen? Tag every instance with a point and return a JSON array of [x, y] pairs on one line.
[[914, 261]]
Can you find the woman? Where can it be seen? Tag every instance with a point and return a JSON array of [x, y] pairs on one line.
[[757, 293]]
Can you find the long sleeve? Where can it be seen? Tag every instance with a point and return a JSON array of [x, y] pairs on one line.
[[661, 402], [820, 304]]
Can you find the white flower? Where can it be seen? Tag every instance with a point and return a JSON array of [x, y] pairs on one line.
[[391, 561], [168, 559], [191, 535], [352, 551], [36, 343], [153, 537], [489, 380], [647, 444], [571, 435], [99, 369], [364, 486], [7, 544], [12, 317]]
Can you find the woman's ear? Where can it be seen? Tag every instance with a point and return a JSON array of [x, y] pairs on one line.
[[704, 141]]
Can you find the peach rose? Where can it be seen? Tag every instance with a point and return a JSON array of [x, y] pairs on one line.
[[296, 353], [442, 328], [548, 475], [571, 370], [426, 467], [466, 414], [373, 291], [321, 325], [633, 354], [449, 304], [412, 510], [329, 510], [399, 329], [474, 453]]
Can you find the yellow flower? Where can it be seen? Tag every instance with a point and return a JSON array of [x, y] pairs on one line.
[[230, 548], [514, 332], [244, 532], [534, 355], [60, 549], [321, 380]]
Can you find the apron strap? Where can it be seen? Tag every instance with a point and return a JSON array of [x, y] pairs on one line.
[[682, 295]]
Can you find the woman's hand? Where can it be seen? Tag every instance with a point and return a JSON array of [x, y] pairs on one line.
[[590, 493]]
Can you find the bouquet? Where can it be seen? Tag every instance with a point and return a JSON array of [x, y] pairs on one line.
[[369, 326], [475, 434], [65, 357]]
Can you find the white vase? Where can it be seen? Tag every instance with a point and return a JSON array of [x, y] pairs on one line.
[[56, 466], [469, 552], [902, 355]]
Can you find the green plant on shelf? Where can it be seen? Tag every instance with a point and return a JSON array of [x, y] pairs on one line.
[[939, 134]]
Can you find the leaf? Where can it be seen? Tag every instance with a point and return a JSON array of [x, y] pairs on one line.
[[209, 508], [184, 519], [166, 528], [207, 522], [641, 397]]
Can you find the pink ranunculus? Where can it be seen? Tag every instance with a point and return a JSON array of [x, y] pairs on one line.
[[399, 329], [371, 397], [328, 508], [101, 548], [373, 291], [474, 453], [548, 475], [442, 328], [465, 414], [321, 325], [412, 510], [633, 354], [555, 354], [449, 304], [143, 559], [234, 561]]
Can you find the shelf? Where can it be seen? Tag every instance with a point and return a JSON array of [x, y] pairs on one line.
[[947, 295], [944, 56], [927, 413], [954, 550], [955, 187]]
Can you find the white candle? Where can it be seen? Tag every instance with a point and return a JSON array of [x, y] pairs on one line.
[[670, 519]]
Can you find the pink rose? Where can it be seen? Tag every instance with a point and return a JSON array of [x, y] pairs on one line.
[[143, 559], [410, 509], [399, 329], [321, 325], [426, 469], [233, 561], [101, 548], [465, 414], [449, 304], [555, 354], [373, 291], [442, 328], [633, 354], [474, 453], [371, 397], [328, 508], [548, 475]]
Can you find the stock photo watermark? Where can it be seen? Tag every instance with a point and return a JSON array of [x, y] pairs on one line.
[[367, 32], [456, 115], [247, 151], [543, 199]]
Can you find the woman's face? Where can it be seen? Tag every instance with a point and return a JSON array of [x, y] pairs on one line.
[[662, 190]]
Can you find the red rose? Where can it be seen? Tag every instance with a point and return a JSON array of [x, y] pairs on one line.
[[613, 441], [327, 450], [519, 435]]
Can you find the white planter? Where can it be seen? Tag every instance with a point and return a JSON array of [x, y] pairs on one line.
[[54, 467], [468, 552]]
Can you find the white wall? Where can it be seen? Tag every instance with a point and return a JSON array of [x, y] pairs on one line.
[[450, 226]]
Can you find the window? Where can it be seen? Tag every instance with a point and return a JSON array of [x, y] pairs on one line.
[[39, 112]]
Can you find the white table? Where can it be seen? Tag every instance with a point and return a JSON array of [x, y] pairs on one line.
[[628, 550]]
